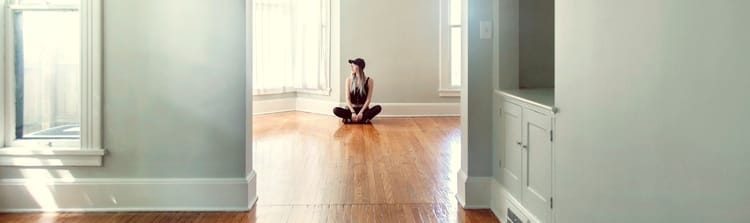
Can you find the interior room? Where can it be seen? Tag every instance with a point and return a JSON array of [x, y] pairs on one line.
[[533, 111]]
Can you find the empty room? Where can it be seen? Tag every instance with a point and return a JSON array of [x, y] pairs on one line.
[[533, 111]]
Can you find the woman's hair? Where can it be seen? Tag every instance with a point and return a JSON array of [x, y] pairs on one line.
[[358, 80], [358, 83]]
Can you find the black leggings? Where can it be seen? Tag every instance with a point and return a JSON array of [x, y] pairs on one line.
[[366, 116]]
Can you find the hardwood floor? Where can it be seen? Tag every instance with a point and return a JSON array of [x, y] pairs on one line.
[[312, 168], [305, 213]]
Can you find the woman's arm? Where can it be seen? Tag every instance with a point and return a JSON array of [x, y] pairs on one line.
[[370, 87], [348, 100]]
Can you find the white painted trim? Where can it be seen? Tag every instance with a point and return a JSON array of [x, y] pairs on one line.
[[549, 109], [91, 74], [495, 203], [125, 194], [324, 92], [272, 91], [419, 109], [48, 143], [17, 4], [50, 157], [496, 44], [14, 151], [8, 78], [336, 59], [294, 104], [252, 190], [461, 177], [475, 193], [284, 90], [90, 97], [444, 45], [451, 92], [71, 7]]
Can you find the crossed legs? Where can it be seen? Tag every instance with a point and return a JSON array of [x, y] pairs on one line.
[[367, 115]]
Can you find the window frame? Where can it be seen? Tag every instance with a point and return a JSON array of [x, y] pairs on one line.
[[326, 91], [446, 89], [86, 151]]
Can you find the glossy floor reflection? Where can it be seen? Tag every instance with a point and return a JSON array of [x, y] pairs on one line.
[[405, 167]]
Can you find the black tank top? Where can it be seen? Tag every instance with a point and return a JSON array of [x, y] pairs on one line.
[[359, 96]]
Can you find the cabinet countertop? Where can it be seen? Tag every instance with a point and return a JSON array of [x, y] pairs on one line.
[[544, 97]]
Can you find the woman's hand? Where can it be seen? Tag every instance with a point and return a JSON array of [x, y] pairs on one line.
[[357, 117]]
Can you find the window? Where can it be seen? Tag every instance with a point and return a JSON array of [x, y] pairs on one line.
[[291, 46], [52, 67], [450, 47]]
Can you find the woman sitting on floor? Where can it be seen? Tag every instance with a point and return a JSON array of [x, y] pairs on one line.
[[359, 93]]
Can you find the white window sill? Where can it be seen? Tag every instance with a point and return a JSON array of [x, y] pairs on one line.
[[36, 157], [325, 92], [450, 92]]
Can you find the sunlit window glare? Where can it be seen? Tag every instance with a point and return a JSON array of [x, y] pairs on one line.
[[455, 41], [290, 44], [47, 68]]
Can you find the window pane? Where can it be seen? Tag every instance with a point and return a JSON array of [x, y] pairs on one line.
[[290, 44], [308, 37], [47, 72], [47, 2], [455, 56], [455, 12], [272, 44]]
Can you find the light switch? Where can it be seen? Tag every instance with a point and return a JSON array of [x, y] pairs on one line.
[[485, 30]]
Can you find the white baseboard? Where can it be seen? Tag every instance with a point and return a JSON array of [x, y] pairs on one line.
[[125, 194], [420, 109], [274, 105], [473, 192], [326, 107], [461, 177], [496, 203], [252, 189]]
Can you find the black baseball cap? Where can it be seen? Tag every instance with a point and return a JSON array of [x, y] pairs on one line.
[[359, 62]]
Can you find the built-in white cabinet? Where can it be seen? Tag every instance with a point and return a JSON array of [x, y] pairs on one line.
[[512, 119], [537, 164], [525, 152]]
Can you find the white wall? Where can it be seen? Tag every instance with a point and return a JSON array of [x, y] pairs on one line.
[[477, 115], [537, 43], [173, 91], [653, 98], [399, 41]]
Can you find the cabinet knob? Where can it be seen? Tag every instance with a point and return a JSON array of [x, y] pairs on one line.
[[519, 143], [525, 146]]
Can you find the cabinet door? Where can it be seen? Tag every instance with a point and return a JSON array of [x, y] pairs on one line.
[[537, 157], [512, 151]]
